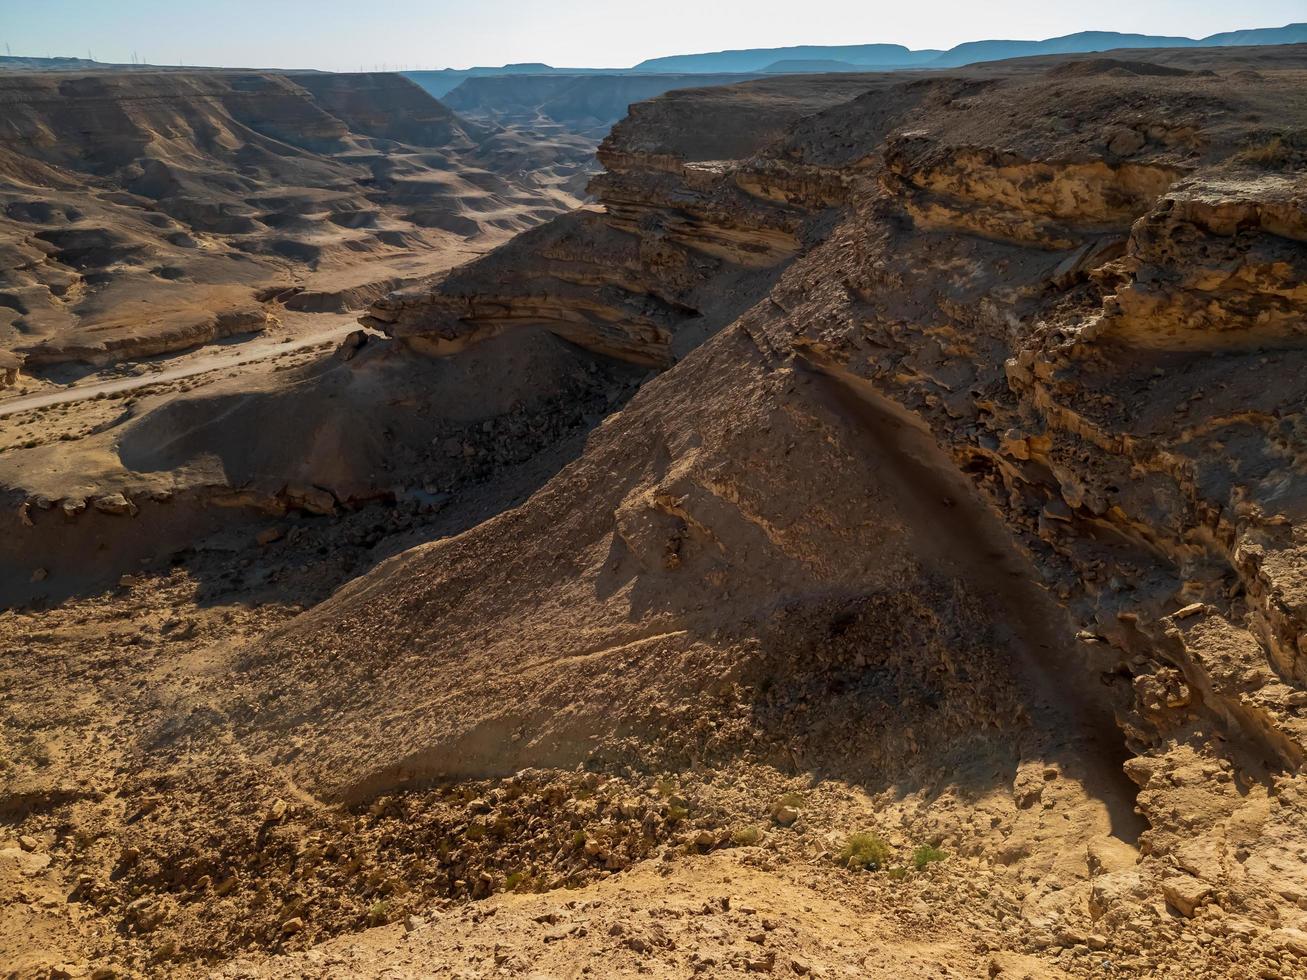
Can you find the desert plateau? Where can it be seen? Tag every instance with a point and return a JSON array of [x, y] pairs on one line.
[[809, 511]]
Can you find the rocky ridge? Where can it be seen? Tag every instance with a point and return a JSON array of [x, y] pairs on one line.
[[1111, 282]]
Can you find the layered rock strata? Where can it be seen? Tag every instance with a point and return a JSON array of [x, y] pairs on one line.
[[1093, 303]]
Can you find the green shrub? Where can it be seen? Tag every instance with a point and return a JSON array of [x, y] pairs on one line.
[[864, 850], [746, 836], [926, 854]]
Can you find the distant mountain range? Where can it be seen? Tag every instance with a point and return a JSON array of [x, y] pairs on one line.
[[888, 56], [817, 59], [805, 59]]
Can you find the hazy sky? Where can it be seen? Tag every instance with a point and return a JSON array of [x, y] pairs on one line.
[[345, 35]]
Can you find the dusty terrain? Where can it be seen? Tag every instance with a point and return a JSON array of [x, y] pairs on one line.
[[865, 541], [148, 212]]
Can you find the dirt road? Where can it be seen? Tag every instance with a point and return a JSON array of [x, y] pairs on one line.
[[325, 329]]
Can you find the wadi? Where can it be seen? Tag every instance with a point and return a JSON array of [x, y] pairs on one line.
[[771, 515]]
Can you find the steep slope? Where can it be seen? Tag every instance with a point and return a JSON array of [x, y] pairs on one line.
[[1027, 290]]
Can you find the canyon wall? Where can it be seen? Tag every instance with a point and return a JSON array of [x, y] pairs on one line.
[[1084, 281]]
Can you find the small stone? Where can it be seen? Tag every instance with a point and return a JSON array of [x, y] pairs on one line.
[[1185, 894], [1294, 940], [292, 926], [40, 575], [276, 811], [268, 535], [412, 923], [114, 503], [28, 843], [785, 815]]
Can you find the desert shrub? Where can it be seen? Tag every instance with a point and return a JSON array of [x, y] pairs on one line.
[[864, 850], [746, 836], [926, 854], [1275, 151]]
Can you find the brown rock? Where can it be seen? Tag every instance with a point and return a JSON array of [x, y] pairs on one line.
[[270, 534], [785, 815]]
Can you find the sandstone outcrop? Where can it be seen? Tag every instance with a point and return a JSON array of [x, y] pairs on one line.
[[686, 236], [10, 365], [1083, 298]]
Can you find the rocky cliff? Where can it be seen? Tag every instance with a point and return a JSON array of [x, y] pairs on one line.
[[689, 232], [1087, 290]]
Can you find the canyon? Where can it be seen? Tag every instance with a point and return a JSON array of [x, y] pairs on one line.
[[859, 532], [189, 207]]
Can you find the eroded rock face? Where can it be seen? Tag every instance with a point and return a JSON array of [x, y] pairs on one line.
[[688, 233], [1216, 263], [1093, 303]]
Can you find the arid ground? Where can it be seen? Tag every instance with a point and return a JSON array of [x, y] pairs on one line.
[[855, 526]]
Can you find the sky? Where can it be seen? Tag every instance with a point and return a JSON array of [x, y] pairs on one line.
[[346, 35]]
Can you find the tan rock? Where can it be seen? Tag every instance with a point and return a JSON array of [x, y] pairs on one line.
[[1185, 893], [114, 503]]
